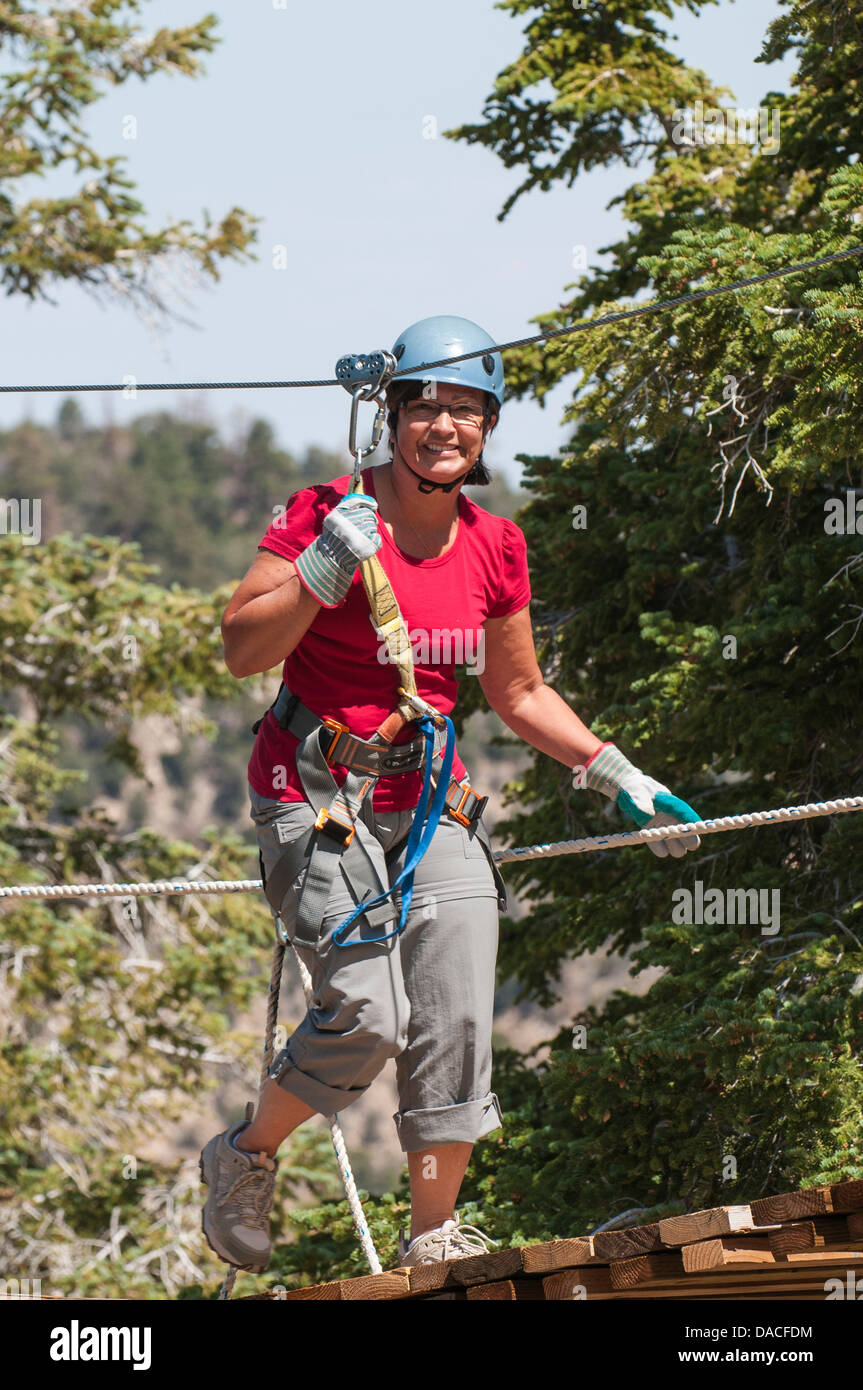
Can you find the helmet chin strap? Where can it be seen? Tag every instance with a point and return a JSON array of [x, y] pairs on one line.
[[426, 485]]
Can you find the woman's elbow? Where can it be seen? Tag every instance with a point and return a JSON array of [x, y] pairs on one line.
[[510, 698], [234, 666], [232, 650], [238, 672]]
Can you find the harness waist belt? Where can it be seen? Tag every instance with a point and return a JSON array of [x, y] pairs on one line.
[[364, 755], [338, 837], [379, 759]]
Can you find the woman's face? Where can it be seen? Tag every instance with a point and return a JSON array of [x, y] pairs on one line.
[[442, 437]]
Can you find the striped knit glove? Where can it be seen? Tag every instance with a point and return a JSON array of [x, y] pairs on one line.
[[350, 534], [646, 801]]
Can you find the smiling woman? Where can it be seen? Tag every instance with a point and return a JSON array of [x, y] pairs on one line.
[[424, 992], [473, 413], [476, 401]]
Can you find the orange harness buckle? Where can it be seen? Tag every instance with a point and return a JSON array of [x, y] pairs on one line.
[[462, 794], [338, 730], [335, 829]]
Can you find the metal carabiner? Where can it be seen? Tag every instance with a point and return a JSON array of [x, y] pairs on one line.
[[377, 430], [365, 376], [422, 707]]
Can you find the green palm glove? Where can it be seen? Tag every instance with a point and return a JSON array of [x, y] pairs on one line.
[[642, 798], [349, 536]]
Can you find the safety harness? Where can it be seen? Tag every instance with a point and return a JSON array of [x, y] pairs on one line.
[[343, 832]]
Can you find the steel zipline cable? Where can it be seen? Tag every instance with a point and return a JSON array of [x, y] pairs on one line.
[[582, 327]]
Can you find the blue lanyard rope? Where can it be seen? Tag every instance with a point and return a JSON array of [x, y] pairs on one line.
[[420, 837]]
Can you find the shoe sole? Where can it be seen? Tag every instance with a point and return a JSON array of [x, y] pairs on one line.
[[213, 1241]]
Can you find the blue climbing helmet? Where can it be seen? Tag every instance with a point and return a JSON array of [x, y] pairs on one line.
[[445, 335]]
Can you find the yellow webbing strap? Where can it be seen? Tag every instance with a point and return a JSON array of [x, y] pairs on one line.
[[390, 625]]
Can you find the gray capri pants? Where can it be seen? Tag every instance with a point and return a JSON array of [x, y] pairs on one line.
[[425, 996]]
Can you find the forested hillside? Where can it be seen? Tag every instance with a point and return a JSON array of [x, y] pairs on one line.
[[196, 505]]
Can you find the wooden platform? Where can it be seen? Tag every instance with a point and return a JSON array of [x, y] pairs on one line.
[[784, 1247]]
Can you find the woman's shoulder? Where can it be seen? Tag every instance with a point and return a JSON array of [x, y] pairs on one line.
[[489, 524], [300, 519], [328, 494]]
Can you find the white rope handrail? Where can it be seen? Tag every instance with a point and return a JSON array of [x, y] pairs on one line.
[[746, 821]]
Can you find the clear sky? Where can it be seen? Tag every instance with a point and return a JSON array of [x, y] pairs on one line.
[[315, 118]]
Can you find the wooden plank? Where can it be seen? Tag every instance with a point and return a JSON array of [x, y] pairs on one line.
[[726, 1251], [847, 1196], [807, 1235], [426, 1278], [705, 1225], [392, 1284], [775, 1281], [780, 1281], [484, 1269], [752, 1276], [594, 1279], [791, 1206], [527, 1290], [472, 1269], [395, 1283], [824, 1257], [500, 1291], [632, 1240], [314, 1293], [855, 1224], [556, 1254], [717, 1294], [506, 1291], [625, 1274]]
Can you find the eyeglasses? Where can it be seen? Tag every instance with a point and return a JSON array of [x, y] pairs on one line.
[[427, 412]]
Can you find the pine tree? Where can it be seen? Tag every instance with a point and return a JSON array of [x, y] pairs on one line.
[[700, 612], [56, 60]]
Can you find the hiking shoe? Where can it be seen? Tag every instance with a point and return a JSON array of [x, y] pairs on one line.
[[235, 1220], [447, 1242]]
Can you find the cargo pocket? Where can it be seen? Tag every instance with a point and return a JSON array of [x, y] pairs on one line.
[[277, 833]]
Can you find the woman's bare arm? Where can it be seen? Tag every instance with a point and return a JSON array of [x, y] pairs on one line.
[[267, 616], [514, 687]]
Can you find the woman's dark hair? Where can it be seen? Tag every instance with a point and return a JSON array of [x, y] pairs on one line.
[[400, 391]]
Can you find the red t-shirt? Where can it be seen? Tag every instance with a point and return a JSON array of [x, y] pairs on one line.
[[340, 669]]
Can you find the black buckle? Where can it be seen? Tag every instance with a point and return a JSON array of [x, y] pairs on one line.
[[466, 807], [335, 829]]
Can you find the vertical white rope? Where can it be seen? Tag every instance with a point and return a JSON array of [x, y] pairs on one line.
[[360, 1223]]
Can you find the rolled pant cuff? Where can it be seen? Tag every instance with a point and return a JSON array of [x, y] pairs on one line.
[[327, 1100], [448, 1124]]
